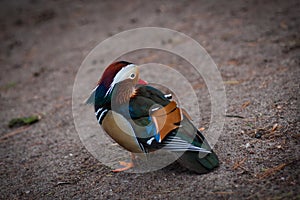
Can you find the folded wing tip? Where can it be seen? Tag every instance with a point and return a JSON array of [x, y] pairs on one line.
[[91, 99]]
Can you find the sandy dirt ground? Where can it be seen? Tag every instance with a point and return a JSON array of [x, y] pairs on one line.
[[256, 46]]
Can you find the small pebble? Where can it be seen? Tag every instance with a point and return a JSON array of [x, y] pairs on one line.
[[247, 145], [258, 134], [279, 107]]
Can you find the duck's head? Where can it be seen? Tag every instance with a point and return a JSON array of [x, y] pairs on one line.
[[117, 73]]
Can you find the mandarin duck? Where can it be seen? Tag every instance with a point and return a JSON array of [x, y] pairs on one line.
[[142, 119]]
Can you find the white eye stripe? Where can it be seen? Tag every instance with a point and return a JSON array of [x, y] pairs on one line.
[[124, 70], [130, 65]]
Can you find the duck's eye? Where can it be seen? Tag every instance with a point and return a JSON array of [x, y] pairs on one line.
[[132, 76]]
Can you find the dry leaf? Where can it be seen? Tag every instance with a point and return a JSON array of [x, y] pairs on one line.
[[201, 129], [247, 103], [252, 44], [198, 85], [233, 61], [275, 126], [283, 25]]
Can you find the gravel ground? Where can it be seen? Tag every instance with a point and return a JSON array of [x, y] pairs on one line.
[[255, 44]]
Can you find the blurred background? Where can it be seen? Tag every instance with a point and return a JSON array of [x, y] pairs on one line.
[[255, 44]]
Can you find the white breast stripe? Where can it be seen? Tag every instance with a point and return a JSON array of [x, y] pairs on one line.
[[99, 110], [102, 113]]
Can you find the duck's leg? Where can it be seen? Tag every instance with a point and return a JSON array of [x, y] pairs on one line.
[[127, 165]]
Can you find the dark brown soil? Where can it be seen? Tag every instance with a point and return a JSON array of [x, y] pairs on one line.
[[255, 45]]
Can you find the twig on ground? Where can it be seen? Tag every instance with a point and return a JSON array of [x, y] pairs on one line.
[[231, 82], [271, 171], [223, 193], [63, 183], [13, 133], [238, 164], [235, 116]]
